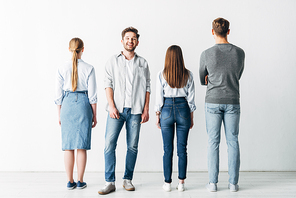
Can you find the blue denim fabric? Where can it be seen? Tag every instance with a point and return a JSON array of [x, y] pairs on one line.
[[76, 121], [113, 128], [175, 112], [230, 115]]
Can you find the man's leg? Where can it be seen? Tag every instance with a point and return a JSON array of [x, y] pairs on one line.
[[113, 128], [231, 124], [132, 139], [213, 124]]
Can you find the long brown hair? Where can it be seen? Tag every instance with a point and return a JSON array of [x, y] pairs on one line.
[[75, 46], [174, 71]]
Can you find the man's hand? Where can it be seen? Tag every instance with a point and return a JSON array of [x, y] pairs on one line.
[[145, 116], [113, 112], [206, 80]]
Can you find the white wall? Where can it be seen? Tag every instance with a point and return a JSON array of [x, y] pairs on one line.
[[34, 40]]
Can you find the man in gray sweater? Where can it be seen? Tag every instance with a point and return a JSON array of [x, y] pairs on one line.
[[221, 67]]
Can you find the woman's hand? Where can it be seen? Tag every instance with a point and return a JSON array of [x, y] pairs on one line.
[[158, 121], [191, 117], [94, 121], [59, 113]]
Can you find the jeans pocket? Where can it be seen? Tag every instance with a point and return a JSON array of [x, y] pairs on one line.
[[235, 109], [166, 113], [184, 112], [212, 108]]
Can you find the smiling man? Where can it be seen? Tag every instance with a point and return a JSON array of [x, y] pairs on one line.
[[127, 86]]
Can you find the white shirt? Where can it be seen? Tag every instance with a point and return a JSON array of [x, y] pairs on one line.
[[129, 83], [86, 81], [163, 90], [115, 78]]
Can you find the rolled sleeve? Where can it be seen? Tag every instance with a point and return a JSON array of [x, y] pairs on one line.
[[59, 89], [108, 80], [158, 93], [148, 80], [191, 94], [92, 87]]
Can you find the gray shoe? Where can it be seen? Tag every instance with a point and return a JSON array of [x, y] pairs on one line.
[[127, 185], [233, 188], [212, 187], [108, 188]]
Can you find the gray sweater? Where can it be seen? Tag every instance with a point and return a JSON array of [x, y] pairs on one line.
[[224, 65]]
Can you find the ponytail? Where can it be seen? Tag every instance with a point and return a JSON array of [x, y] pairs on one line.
[[74, 71], [75, 45]]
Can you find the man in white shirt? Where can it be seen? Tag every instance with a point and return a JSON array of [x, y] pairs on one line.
[[127, 86]]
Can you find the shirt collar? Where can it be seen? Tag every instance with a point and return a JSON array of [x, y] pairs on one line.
[[120, 54], [79, 60]]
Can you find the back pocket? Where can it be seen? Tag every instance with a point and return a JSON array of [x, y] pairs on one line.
[[184, 112], [166, 113]]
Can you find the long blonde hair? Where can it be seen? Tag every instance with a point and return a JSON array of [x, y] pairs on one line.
[[75, 46], [174, 71]]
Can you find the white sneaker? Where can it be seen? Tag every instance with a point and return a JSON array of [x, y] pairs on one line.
[[181, 187], [108, 188], [128, 185], [233, 188], [212, 187], [167, 187]]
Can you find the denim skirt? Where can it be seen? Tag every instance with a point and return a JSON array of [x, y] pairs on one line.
[[76, 121]]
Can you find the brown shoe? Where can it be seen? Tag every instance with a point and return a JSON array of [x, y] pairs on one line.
[[127, 185], [108, 188]]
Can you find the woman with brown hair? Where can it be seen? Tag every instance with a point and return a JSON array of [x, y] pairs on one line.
[[174, 109], [76, 100]]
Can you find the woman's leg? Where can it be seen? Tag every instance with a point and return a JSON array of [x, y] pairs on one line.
[[167, 129], [81, 163], [69, 159], [183, 123]]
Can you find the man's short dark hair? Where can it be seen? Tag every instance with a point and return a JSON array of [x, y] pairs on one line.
[[130, 29], [221, 27]]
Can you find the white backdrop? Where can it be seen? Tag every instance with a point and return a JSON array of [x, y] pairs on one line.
[[34, 40]]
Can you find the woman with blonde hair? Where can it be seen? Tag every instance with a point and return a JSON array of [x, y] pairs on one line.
[[174, 109], [76, 98]]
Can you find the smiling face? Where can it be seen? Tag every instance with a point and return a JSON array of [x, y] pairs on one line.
[[130, 41]]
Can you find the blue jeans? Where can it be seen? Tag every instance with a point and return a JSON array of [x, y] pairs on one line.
[[230, 115], [113, 128], [175, 112]]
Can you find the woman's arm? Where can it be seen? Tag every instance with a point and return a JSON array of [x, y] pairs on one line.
[[94, 110], [59, 113]]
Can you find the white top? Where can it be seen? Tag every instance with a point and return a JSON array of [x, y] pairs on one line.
[[115, 78], [129, 83], [86, 81], [163, 90]]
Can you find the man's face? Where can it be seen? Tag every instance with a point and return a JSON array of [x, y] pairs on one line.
[[130, 41]]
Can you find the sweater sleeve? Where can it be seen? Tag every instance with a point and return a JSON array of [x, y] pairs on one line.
[[202, 68]]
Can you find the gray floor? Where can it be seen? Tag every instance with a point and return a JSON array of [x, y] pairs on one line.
[[47, 184]]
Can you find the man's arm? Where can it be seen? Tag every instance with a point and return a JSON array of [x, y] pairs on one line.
[[113, 112], [203, 73], [145, 114]]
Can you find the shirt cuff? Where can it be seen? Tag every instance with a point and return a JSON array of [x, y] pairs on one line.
[[192, 108]]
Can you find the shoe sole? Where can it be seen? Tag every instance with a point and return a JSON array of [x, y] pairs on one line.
[[167, 190], [82, 187], [129, 189], [105, 193], [71, 188]]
